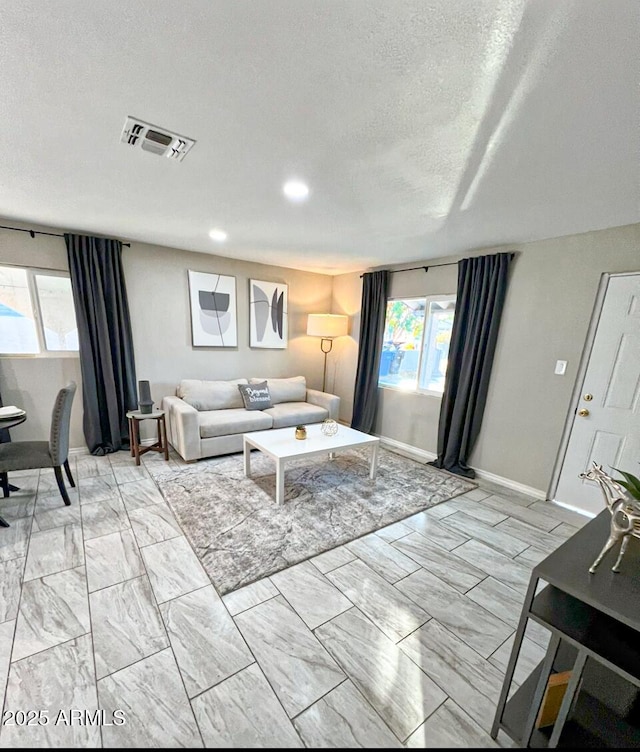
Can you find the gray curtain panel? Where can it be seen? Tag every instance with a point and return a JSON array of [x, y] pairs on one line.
[[482, 288], [106, 346], [375, 286]]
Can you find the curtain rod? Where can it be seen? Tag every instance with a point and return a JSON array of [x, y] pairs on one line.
[[33, 233], [415, 268]]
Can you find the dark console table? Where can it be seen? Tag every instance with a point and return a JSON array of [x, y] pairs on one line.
[[594, 621]]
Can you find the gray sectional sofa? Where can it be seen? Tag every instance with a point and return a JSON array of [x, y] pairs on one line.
[[208, 418]]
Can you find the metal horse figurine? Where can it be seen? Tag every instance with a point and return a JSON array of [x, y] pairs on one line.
[[625, 514]]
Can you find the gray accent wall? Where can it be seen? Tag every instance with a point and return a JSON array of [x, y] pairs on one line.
[[158, 293], [546, 317], [343, 359], [160, 319]]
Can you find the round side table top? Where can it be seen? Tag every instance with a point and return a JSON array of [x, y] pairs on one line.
[[137, 415], [12, 422]]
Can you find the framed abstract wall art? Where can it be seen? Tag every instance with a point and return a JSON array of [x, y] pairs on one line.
[[268, 324], [213, 310]]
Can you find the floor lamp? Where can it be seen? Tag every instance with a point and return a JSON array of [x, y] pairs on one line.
[[327, 326]]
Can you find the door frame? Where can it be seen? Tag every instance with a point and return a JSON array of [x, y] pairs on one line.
[[579, 382]]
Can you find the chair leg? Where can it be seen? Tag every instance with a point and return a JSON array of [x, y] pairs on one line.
[[63, 490], [4, 480], [67, 470], [5, 484]]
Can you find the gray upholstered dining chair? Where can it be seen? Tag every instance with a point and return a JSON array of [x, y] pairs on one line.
[[29, 455]]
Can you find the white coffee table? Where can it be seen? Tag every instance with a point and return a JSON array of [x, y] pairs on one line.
[[281, 445]]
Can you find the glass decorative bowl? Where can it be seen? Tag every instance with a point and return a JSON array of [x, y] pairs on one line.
[[329, 427]]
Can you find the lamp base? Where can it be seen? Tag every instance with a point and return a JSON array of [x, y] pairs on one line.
[[326, 352]]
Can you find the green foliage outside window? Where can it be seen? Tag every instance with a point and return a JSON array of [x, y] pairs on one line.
[[404, 323]]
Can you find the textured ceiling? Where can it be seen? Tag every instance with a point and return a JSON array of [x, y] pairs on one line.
[[423, 128]]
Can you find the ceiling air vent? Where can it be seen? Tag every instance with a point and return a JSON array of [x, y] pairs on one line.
[[158, 141]]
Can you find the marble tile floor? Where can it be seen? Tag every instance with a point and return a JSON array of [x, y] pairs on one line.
[[400, 638]]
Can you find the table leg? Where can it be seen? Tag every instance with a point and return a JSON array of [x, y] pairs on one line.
[[162, 428], [280, 481], [373, 468], [536, 700], [247, 459], [7, 487], [166, 438], [131, 436], [515, 651], [567, 700], [136, 440]]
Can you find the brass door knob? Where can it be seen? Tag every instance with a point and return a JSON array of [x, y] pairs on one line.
[[583, 412], [588, 397]]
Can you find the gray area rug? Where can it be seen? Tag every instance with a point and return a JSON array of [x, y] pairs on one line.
[[241, 535]]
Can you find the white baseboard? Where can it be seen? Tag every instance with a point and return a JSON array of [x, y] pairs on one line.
[[583, 512], [410, 451], [424, 455], [513, 485]]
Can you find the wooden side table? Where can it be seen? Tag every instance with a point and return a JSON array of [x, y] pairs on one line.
[[161, 445]]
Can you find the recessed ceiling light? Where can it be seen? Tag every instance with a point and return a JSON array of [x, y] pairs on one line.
[[218, 235], [295, 190]]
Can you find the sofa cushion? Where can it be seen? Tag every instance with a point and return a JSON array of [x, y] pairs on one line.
[[211, 395], [255, 396], [285, 390], [294, 413], [235, 420]]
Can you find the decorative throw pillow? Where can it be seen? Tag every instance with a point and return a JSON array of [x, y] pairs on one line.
[[255, 396]]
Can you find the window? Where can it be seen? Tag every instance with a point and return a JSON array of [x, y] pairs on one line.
[[37, 316], [417, 332]]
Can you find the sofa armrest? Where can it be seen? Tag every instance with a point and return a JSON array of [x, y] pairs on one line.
[[183, 427], [330, 402]]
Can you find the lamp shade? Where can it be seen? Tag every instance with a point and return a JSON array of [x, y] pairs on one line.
[[327, 325]]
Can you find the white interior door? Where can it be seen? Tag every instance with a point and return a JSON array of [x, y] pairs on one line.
[[606, 426]]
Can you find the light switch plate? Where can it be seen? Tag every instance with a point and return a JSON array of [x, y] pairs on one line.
[[561, 367]]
